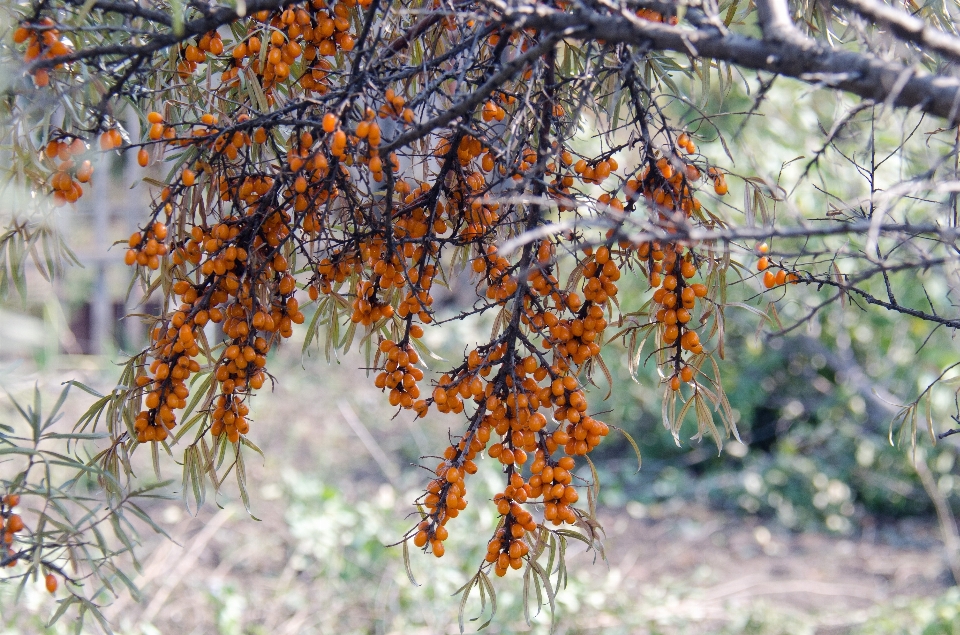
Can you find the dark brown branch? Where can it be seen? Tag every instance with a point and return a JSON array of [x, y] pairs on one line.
[[470, 103], [132, 9], [799, 57], [732, 234], [774, 19], [212, 21]]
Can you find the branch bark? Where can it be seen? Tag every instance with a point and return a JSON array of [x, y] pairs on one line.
[[808, 60], [775, 22], [212, 21]]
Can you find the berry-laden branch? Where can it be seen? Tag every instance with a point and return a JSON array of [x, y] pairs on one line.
[[348, 155]]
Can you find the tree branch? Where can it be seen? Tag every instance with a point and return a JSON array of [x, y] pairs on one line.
[[808, 60], [210, 22], [775, 22], [906, 27], [474, 99], [686, 233]]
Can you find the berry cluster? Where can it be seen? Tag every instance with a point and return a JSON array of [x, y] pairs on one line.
[[44, 41], [10, 525], [67, 176], [774, 275], [289, 184]]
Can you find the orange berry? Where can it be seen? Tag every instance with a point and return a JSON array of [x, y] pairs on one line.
[[51, 583], [420, 539], [14, 523], [84, 172], [329, 122], [41, 78]]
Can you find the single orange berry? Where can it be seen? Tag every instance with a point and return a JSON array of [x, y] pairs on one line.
[[41, 78], [84, 172], [329, 122], [420, 539], [14, 523], [51, 583]]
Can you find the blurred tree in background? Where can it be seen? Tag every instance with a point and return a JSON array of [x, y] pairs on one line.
[[531, 190]]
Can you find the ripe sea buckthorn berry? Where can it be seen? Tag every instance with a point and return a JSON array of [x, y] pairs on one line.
[[14, 523], [106, 141], [420, 539], [769, 279], [51, 583], [84, 172], [329, 122], [720, 185]]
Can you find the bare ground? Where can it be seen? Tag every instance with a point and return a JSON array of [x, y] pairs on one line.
[[681, 568]]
